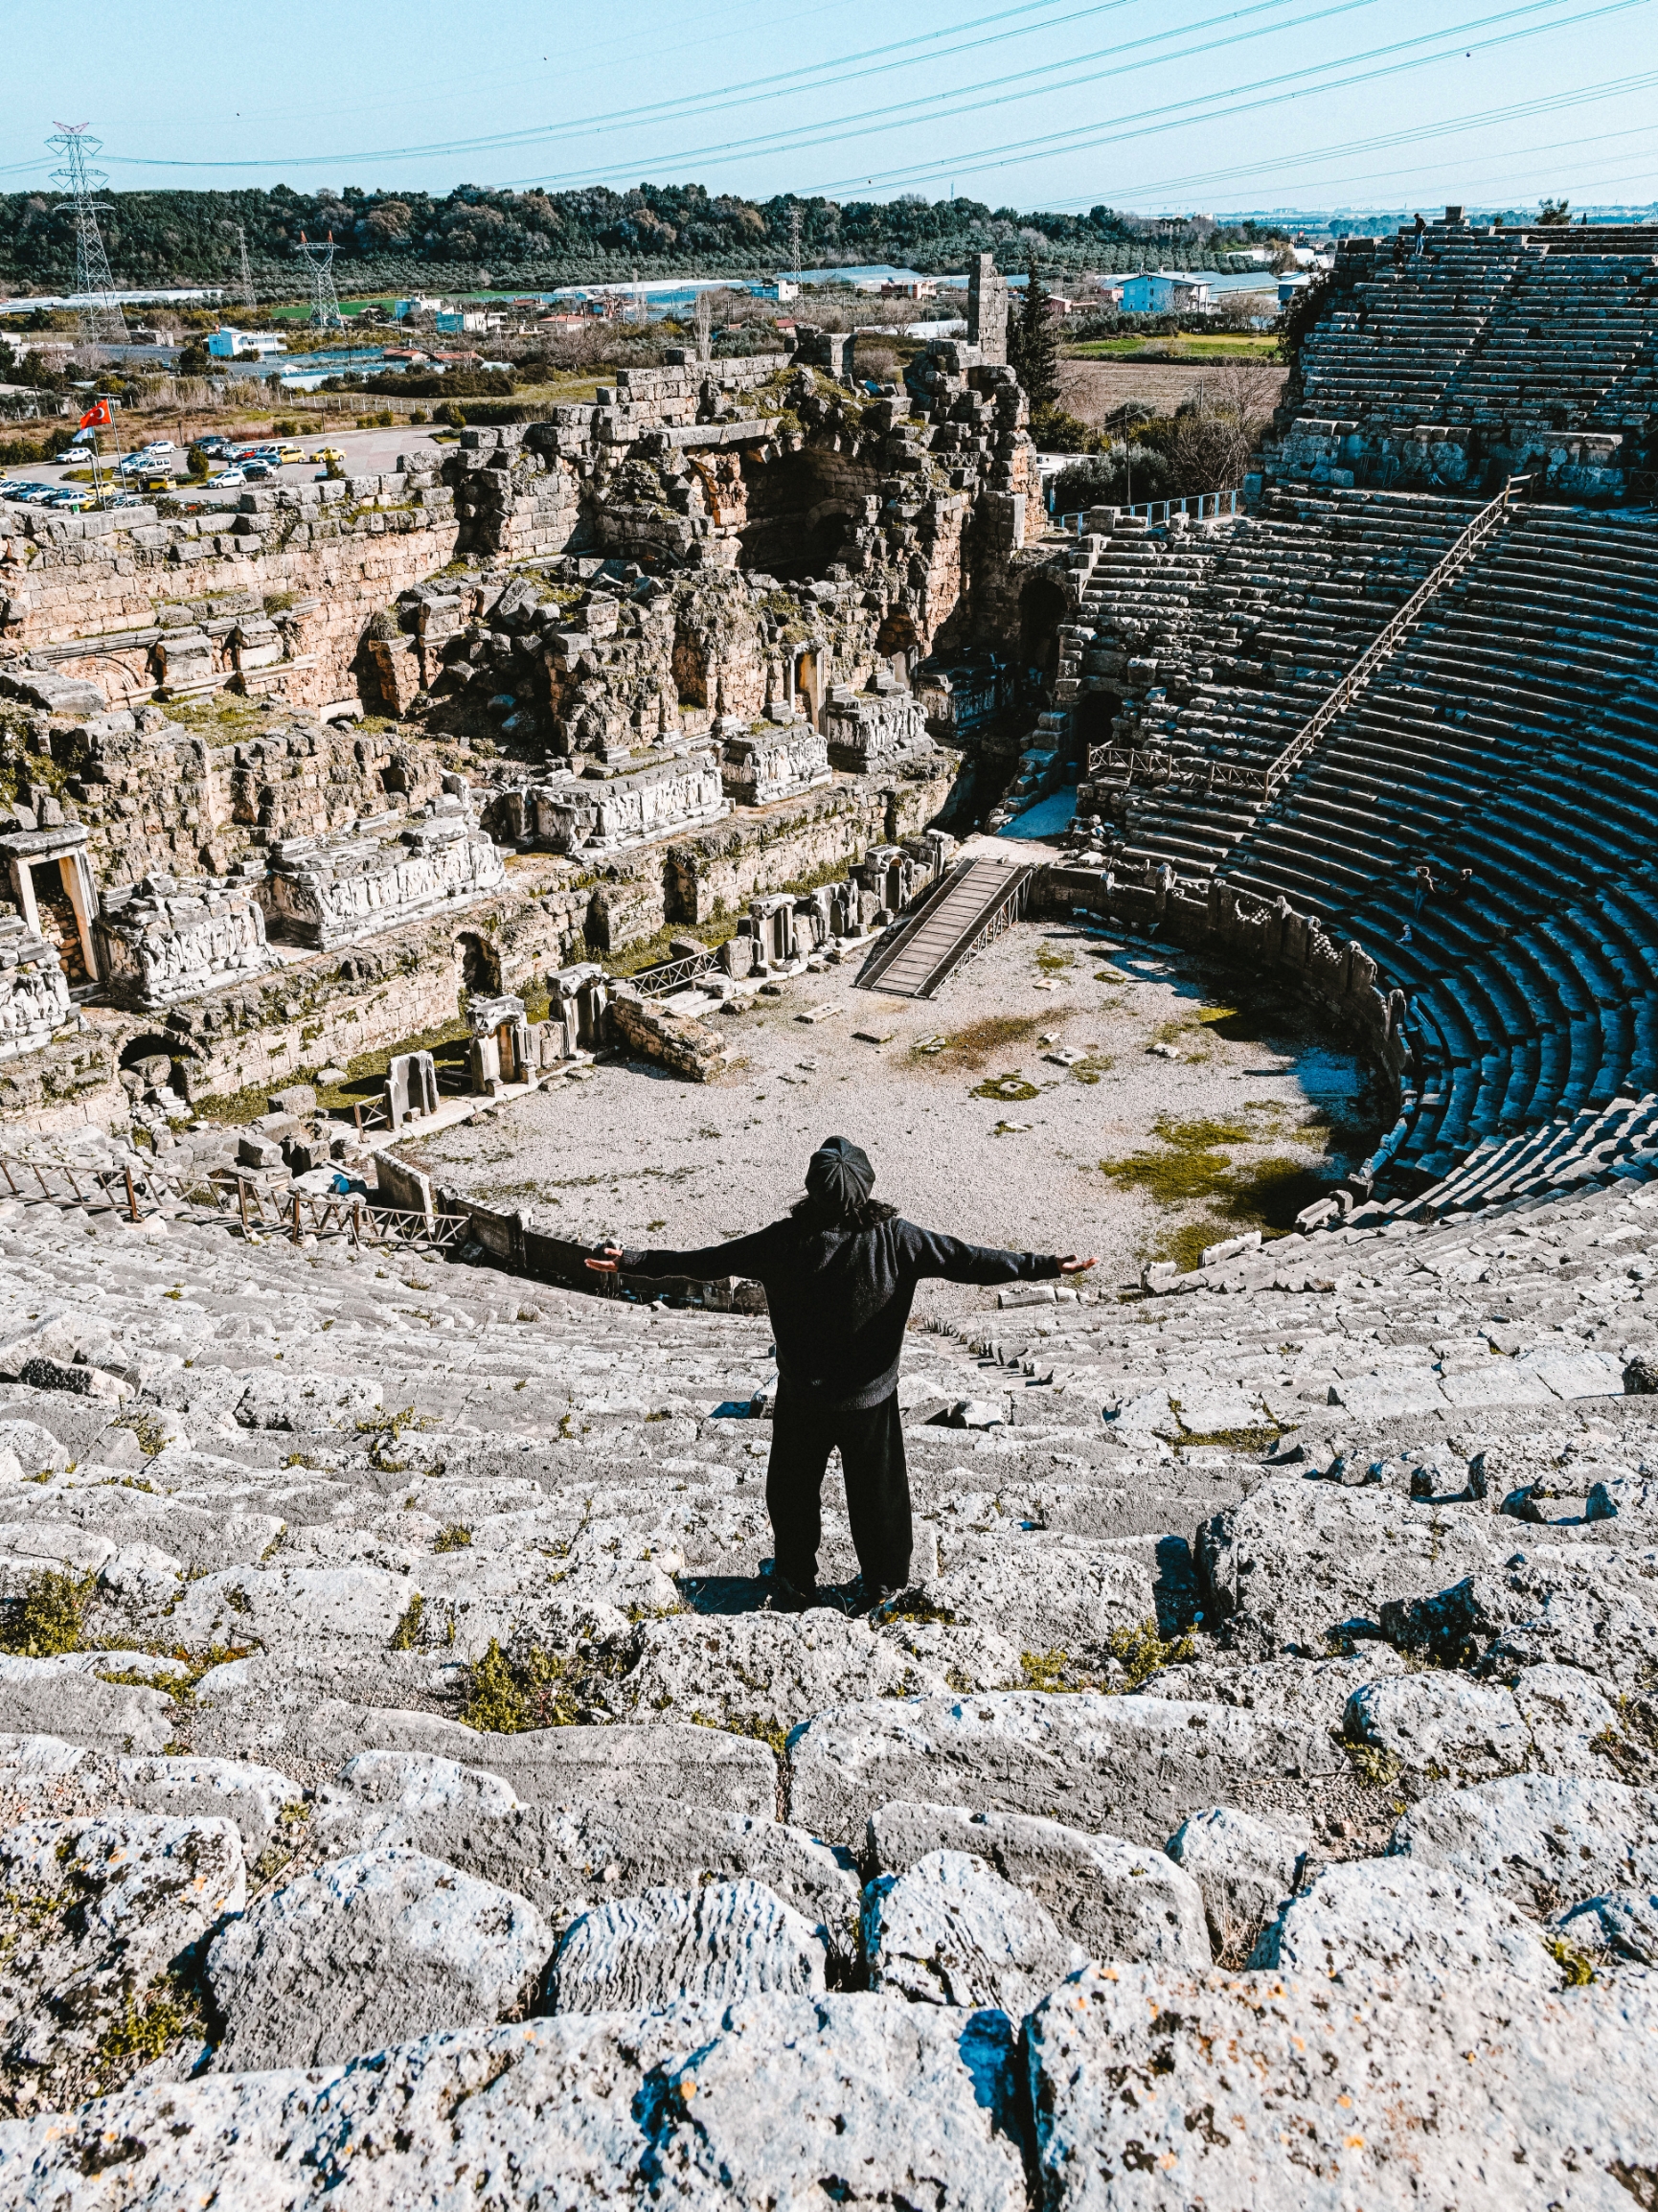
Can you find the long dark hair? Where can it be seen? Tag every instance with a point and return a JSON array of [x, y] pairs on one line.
[[867, 1213]]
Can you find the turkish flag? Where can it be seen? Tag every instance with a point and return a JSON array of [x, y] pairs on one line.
[[97, 417]]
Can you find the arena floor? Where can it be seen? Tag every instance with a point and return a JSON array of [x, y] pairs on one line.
[[973, 1127]]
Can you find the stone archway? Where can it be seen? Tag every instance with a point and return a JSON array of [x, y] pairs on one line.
[[1044, 605]]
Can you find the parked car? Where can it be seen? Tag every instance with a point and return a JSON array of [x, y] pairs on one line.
[[32, 494], [225, 478], [71, 498], [124, 499], [260, 471], [213, 445], [161, 445], [290, 452], [328, 456]]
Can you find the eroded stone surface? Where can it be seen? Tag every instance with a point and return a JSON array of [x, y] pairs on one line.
[[864, 2100], [1116, 1900], [368, 1951], [949, 1930], [1160, 2091], [713, 1945]]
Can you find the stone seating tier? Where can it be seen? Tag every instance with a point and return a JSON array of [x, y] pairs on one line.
[[460, 1504]]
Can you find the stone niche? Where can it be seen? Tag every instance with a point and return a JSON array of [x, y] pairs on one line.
[[600, 812], [325, 894], [34, 991], [162, 940], [873, 729], [51, 880], [771, 760]]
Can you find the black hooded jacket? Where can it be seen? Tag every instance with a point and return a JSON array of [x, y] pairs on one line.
[[839, 1297]]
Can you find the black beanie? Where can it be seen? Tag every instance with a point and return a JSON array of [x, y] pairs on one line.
[[838, 1178]]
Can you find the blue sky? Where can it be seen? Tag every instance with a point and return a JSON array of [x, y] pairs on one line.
[[1150, 104]]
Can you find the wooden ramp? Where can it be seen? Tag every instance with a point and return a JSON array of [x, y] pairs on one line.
[[964, 909]]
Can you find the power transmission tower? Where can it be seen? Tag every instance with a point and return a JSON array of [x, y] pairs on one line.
[[247, 296], [794, 243], [101, 321], [325, 300]]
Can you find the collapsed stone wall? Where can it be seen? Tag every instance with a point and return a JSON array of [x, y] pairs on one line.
[[274, 596]]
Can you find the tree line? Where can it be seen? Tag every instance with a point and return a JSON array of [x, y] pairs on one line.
[[403, 240]]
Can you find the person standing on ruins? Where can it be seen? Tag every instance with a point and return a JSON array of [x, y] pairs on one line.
[[840, 1271]]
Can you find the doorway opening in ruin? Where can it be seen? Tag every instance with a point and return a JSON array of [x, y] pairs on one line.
[[477, 970], [1043, 605], [691, 668], [802, 508], [1091, 720], [60, 926], [897, 639]]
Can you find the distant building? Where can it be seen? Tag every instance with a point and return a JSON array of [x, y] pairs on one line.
[[1190, 291], [225, 344]]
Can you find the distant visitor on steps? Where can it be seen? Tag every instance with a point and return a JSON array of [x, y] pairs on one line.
[[840, 1272]]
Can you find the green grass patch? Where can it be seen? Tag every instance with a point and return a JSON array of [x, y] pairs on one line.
[[507, 1694], [1142, 1653], [46, 1620], [1010, 1089]]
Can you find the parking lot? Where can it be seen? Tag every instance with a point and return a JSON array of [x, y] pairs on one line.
[[366, 452]]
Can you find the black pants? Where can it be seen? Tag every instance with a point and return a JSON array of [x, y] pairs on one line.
[[870, 1442]]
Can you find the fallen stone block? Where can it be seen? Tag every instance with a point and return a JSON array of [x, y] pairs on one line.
[[1544, 1842], [1157, 2089], [365, 1951], [97, 1913], [949, 1930], [1116, 1899], [1404, 1923], [1307, 1559], [1137, 1765], [1243, 1867], [1467, 1731], [56, 1698], [714, 1945]]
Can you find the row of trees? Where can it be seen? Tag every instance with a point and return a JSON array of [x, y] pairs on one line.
[[403, 238]]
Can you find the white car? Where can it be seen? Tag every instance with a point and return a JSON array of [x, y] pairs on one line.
[[159, 445], [225, 478]]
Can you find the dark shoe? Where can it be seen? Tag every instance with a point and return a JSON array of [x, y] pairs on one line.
[[785, 1597], [869, 1597]]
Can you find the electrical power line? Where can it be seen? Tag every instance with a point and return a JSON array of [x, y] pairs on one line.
[[1151, 123], [249, 300], [319, 260], [101, 321]]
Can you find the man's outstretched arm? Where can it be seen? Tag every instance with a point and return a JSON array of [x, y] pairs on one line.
[[740, 1255], [952, 1260]]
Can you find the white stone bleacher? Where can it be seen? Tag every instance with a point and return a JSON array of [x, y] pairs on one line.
[[1513, 734], [603, 1462], [1566, 335], [1252, 626], [1396, 344]]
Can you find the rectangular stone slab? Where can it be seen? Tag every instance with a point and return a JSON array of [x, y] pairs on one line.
[[1132, 1766], [781, 2100], [1262, 2094]]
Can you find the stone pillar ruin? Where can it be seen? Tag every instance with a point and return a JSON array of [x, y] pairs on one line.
[[411, 1087], [988, 311]]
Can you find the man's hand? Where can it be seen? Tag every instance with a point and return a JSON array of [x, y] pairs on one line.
[[1070, 1265], [611, 1260]]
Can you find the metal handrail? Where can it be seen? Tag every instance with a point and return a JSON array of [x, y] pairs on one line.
[[1264, 783], [1205, 505], [674, 975], [1445, 572]]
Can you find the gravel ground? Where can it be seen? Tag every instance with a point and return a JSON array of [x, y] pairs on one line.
[[649, 1160]]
